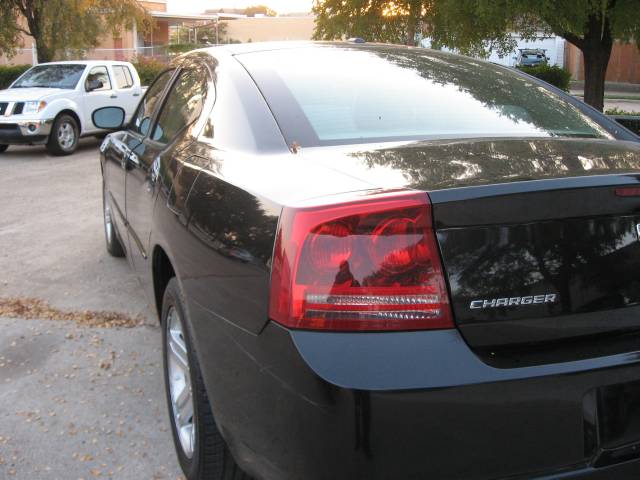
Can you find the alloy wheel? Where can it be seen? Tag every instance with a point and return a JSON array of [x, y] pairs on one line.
[[66, 136], [180, 382]]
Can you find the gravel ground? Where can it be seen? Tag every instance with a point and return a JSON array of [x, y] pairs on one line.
[[75, 401]]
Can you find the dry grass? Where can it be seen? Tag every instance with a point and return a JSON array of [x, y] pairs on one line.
[[34, 308]]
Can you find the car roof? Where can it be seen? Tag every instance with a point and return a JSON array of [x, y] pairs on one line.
[[87, 62], [256, 47]]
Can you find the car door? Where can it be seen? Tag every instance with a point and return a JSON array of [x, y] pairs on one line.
[[127, 93], [122, 150], [169, 135], [99, 93]]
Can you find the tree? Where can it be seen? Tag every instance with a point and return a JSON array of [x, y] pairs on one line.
[[590, 25], [373, 20], [259, 10], [472, 26], [214, 32], [56, 25]]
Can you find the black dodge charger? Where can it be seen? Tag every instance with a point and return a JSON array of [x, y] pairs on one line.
[[376, 262]]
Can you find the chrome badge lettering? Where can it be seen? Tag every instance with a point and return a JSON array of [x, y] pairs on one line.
[[511, 301]]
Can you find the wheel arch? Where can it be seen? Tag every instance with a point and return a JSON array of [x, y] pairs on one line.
[[71, 113], [162, 271]]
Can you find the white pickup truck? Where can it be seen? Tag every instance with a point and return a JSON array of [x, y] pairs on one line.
[[52, 103]]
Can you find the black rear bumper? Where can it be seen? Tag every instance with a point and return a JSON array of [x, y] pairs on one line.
[[289, 412]]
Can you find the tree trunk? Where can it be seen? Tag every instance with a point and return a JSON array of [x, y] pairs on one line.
[[44, 54], [412, 22], [595, 70], [596, 50], [411, 32], [31, 10]]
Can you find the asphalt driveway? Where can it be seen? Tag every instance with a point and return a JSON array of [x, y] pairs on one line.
[[76, 400]]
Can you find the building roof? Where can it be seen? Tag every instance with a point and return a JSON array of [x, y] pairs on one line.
[[184, 16]]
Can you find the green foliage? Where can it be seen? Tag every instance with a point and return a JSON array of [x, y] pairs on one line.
[[57, 25], [259, 10], [472, 26], [184, 47], [468, 24], [554, 75], [222, 32], [9, 73], [148, 69], [591, 25], [373, 20], [619, 111]]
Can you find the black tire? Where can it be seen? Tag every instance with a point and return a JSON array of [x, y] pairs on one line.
[[114, 247], [211, 459], [64, 136], [3, 148]]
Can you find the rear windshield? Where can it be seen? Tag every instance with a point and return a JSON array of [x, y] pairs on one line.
[[335, 95], [51, 76]]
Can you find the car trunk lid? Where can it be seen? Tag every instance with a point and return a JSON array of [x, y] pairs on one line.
[[545, 259], [538, 266], [537, 244]]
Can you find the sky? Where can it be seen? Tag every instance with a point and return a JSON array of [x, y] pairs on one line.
[[199, 6]]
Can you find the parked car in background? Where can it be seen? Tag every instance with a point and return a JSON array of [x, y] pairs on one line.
[[531, 57], [379, 262], [52, 103]]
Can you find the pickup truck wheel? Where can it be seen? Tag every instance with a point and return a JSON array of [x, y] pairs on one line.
[[3, 148], [202, 452], [63, 139], [114, 247]]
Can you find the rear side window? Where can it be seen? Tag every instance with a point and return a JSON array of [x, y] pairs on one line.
[[122, 76], [184, 104], [98, 74], [142, 119]]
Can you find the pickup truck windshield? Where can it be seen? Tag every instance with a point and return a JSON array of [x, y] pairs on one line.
[[51, 76], [337, 95]]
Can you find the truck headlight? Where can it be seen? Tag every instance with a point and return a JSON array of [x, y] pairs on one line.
[[34, 107]]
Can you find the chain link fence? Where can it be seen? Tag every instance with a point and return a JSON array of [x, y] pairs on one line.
[[28, 56]]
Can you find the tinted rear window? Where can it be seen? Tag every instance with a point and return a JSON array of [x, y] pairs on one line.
[[334, 95]]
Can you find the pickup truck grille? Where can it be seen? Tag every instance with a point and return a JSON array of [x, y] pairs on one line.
[[7, 109]]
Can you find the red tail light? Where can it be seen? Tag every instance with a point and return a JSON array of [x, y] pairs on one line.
[[627, 191], [371, 264]]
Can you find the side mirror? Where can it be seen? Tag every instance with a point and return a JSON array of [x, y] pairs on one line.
[[94, 85], [108, 118]]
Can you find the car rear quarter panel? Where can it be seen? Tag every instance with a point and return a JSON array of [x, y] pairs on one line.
[[231, 237]]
